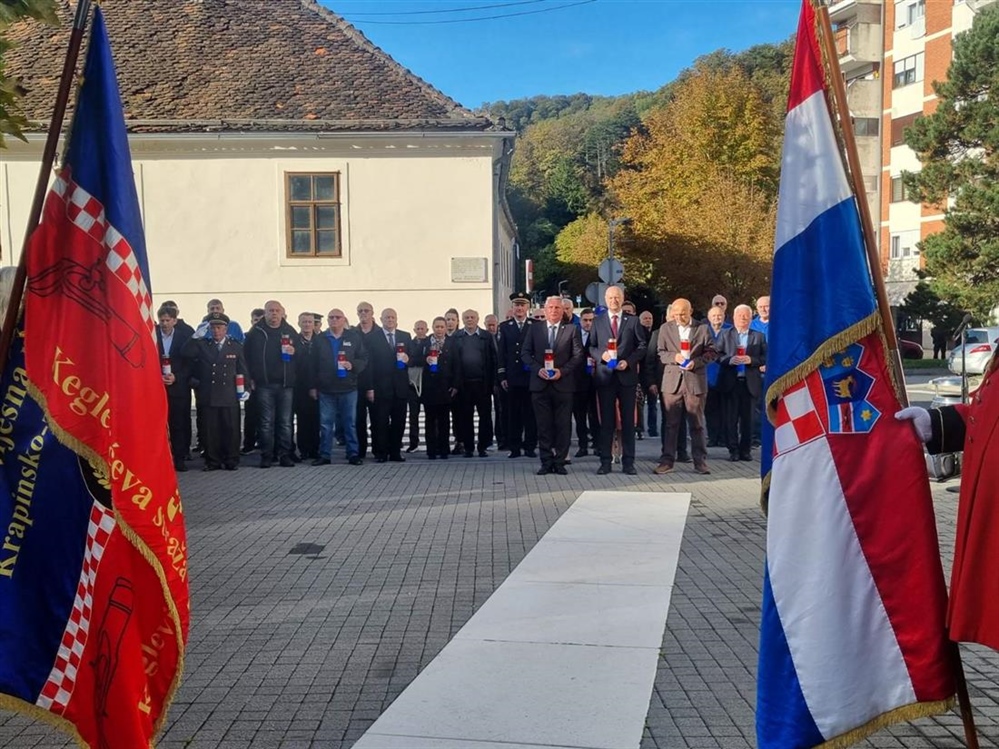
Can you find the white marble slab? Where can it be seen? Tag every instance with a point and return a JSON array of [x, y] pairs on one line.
[[564, 653]]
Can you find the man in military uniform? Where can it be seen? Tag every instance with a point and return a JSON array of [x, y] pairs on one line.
[[515, 380], [216, 360]]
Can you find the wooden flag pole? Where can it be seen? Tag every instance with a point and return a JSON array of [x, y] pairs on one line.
[[44, 172], [856, 176]]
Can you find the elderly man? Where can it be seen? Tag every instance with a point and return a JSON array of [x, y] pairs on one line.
[[420, 332], [388, 362], [762, 320], [215, 307], [475, 370], [553, 351], [584, 400], [617, 345], [713, 407], [171, 340], [369, 330], [498, 394], [722, 303], [338, 360], [569, 311], [306, 408], [741, 354], [271, 346], [685, 349], [647, 421]]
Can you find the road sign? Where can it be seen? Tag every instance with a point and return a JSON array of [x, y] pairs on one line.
[[593, 293], [611, 270]]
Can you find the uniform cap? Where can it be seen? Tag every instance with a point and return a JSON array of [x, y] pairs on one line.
[[218, 318], [520, 296]]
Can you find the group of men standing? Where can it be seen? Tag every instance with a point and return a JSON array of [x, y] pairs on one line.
[[542, 373]]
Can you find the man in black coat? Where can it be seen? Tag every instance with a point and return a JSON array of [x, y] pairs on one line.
[[584, 399], [616, 384], [216, 360], [176, 369], [271, 346], [388, 364], [515, 379], [741, 354], [475, 372], [338, 359], [554, 351]]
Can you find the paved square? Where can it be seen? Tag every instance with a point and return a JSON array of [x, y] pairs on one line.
[[299, 650]]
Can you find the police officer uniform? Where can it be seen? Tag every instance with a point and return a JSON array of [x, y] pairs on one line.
[[215, 365], [521, 428]]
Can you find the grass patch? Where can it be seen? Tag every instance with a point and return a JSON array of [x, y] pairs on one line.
[[917, 364]]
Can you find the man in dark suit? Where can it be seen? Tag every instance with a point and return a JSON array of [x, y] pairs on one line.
[[515, 379], [584, 400], [474, 374], [685, 349], [554, 351], [216, 360], [616, 376], [370, 331], [388, 363], [171, 339], [741, 353]]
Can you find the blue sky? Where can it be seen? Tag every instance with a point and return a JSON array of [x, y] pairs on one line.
[[598, 47]]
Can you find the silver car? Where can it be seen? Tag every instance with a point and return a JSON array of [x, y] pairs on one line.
[[981, 342]]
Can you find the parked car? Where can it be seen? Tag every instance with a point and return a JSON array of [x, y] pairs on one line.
[[981, 342], [910, 349]]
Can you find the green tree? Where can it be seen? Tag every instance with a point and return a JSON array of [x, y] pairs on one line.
[[958, 146], [12, 120], [923, 304]]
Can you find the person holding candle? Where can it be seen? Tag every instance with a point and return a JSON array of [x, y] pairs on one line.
[[617, 344], [338, 358], [553, 350], [434, 354], [685, 349], [742, 351], [171, 339], [388, 365]]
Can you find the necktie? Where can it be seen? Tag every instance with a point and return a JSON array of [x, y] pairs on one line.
[[614, 325], [551, 337], [219, 344], [392, 340]]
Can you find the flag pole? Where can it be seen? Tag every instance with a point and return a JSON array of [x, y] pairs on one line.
[[894, 361], [41, 186], [857, 179]]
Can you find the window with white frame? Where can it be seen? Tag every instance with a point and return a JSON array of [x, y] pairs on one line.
[[903, 244], [909, 12], [908, 70]]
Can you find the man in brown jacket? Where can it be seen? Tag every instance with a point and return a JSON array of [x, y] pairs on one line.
[[685, 348]]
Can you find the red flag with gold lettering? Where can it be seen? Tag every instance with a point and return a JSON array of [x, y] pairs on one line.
[[91, 358]]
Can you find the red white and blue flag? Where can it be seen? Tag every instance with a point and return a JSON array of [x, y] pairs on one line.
[[94, 605], [852, 629]]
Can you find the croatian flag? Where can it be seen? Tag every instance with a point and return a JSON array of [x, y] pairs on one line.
[[852, 628], [94, 605]]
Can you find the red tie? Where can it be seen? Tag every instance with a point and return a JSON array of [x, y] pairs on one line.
[[614, 325]]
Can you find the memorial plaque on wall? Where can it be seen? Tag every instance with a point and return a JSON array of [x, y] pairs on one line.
[[469, 270]]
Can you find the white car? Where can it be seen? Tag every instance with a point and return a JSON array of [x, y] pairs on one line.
[[981, 342]]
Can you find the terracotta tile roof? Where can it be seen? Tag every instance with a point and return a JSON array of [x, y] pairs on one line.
[[238, 65]]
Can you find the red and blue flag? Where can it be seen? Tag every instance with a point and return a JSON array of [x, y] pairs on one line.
[[852, 629], [94, 605]]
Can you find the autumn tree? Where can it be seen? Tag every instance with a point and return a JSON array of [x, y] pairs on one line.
[[958, 146], [12, 120]]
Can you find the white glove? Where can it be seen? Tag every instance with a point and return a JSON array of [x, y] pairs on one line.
[[920, 419]]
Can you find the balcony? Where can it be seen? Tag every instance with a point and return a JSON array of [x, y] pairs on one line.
[[858, 45], [844, 11]]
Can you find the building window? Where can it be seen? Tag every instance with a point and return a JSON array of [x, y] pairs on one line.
[[313, 210], [898, 192], [908, 70], [898, 127], [903, 245], [866, 125], [909, 12]]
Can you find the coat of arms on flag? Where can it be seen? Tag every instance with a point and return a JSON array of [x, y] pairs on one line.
[[94, 605], [852, 631]]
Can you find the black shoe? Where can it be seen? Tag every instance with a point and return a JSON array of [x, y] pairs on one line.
[[469, 454], [321, 462], [682, 458], [457, 449], [294, 458], [412, 448], [746, 456], [604, 469], [381, 459], [567, 462], [733, 457], [445, 456], [639, 436], [530, 454], [560, 470], [581, 453], [286, 461], [179, 467], [502, 447], [397, 459], [653, 433], [231, 467], [630, 470], [356, 460], [514, 454], [543, 471], [265, 463], [483, 454]]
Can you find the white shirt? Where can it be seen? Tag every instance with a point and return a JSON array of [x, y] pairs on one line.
[[684, 332]]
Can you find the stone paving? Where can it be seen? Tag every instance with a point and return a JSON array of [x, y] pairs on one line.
[[318, 594]]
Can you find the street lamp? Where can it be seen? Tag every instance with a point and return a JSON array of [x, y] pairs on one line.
[[560, 285], [610, 233]]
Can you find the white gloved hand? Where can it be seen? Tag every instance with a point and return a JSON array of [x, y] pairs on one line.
[[920, 419]]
